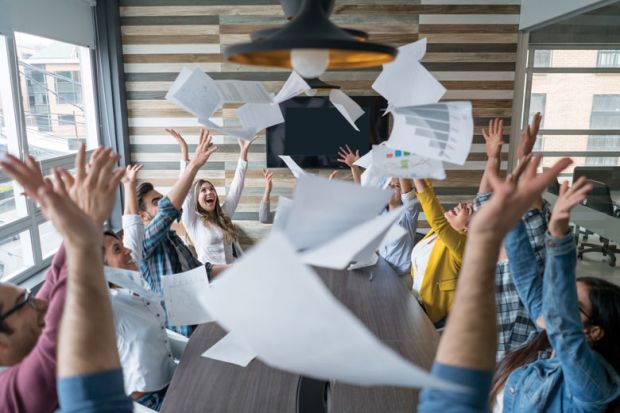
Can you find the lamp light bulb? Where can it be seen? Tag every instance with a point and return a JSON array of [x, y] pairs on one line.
[[310, 63]]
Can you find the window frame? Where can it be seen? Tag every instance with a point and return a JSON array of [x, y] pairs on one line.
[[33, 218], [530, 70]]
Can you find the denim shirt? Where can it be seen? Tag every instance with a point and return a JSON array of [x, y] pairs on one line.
[[576, 378]]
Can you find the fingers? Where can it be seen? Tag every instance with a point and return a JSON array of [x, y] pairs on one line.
[[485, 135], [348, 149], [80, 163], [548, 176], [563, 189], [332, 175], [521, 167], [59, 183], [117, 175]]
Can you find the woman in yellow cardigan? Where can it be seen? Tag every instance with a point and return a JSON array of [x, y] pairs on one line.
[[436, 259]]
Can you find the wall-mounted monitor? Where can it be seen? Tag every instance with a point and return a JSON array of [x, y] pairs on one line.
[[313, 130]]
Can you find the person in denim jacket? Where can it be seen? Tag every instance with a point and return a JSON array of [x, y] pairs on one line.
[[572, 362]]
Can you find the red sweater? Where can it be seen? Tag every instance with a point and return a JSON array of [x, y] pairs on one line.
[[30, 386]]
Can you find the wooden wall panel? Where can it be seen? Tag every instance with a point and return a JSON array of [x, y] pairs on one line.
[[472, 47]]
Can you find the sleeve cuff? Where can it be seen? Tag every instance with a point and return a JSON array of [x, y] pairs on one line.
[[242, 164], [131, 220], [98, 392], [481, 199], [559, 245]]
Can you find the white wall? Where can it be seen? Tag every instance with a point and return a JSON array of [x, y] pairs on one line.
[[537, 12]]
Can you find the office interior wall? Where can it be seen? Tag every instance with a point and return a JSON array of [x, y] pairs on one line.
[[472, 47]]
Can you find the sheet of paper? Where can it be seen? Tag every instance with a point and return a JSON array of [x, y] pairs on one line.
[[347, 107], [323, 209], [372, 179], [282, 212], [246, 91], [292, 165], [295, 324], [365, 160], [243, 133], [185, 296], [398, 163], [294, 85], [374, 258], [259, 116], [131, 280], [442, 131], [231, 349], [196, 92], [405, 82], [357, 244]]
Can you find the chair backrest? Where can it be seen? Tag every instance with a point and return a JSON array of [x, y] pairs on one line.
[[178, 342], [599, 198], [609, 175], [138, 408]]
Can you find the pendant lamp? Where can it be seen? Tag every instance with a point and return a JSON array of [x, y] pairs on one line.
[[311, 44]]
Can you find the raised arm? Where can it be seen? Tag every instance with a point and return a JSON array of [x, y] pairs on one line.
[[526, 145], [265, 216], [348, 157], [434, 213], [182, 144], [130, 182], [236, 187], [466, 353], [493, 143], [180, 189]]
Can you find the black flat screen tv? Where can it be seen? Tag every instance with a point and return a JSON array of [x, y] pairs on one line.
[[313, 130]]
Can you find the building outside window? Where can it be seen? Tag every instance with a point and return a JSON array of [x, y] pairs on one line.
[[608, 58]]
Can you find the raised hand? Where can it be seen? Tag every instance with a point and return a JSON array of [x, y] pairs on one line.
[[204, 149], [528, 137], [27, 174], [568, 198], [332, 175], [244, 147], [182, 144], [347, 156], [511, 199], [493, 138], [131, 174], [268, 175], [92, 189]]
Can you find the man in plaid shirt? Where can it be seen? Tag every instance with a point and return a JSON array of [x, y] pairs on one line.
[[513, 321]]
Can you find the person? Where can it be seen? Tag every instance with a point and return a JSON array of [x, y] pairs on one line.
[[572, 363], [466, 352], [514, 324], [265, 215], [71, 336], [162, 250], [436, 259], [397, 253], [207, 222]]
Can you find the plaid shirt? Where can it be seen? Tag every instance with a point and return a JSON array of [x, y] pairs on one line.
[[513, 321], [164, 252]]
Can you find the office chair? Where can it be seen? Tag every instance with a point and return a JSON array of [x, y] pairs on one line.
[[598, 199]]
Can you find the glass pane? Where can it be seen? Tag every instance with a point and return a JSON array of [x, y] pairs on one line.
[[579, 100], [50, 239], [56, 88], [579, 143], [577, 58], [567, 174], [12, 204], [15, 255]]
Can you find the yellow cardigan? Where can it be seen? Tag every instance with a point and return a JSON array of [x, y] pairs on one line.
[[444, 264]]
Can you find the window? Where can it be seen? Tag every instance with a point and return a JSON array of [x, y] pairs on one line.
[[580, 102], [47, 107], [542, 58], [608, 58]]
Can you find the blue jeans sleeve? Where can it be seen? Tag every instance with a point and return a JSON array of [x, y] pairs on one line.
[[446, 401], [94, 393]]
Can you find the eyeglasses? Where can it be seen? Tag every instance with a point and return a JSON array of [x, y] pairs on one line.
[[27, 299]]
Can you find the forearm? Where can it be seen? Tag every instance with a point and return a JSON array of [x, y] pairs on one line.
[[180, 189], [484, 182], [219, 268], [420, 185], [87, 341], [356, 173], [405, 185], [470, 338], [131, 199]]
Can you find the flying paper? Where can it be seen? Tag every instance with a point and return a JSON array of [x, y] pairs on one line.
[[259, 115], [405, 82], [185, 296], [397, 163], [231, 349], [442, 131], [347, 107], [282, 212], [323, 210], [295, 324], [292, 165], [131, 280], [357, 244], [295, 85], [242, 133]]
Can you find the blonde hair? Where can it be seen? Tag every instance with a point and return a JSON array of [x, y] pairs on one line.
[[217, 217]]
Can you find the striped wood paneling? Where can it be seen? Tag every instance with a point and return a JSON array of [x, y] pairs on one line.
[[472, 48]]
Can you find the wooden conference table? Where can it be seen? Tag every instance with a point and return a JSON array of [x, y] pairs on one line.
[[382, 303]]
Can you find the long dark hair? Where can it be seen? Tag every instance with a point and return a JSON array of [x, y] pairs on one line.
[[605, 313], [217, 217]]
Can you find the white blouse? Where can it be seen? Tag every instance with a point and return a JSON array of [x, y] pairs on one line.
[[209, 240], [420, 256]]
